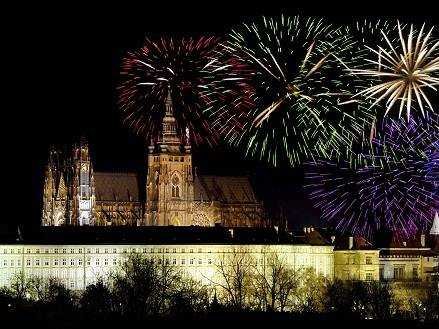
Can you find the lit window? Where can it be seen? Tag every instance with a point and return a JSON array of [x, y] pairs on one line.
[[80, 251], [28, 251], [144, 250], [114, 261], [200, 261], [72, 251], [415, 272], [64, 262], [369, 260], [12, 263], [174, 261], [46, 262], [209, 261], [37, 251], [80, 262], [27, 262], [175, 186], [166, 250], [56, 250], [183, 261], [72, 285], [72, 262], [46, 251], [97, 262], [56, 262], [37, 262], [174, 250], [369, 276], [191, 261], [18, 262], [105, 262], [64, 251], [182, 250], [88, 261], [97, 250]]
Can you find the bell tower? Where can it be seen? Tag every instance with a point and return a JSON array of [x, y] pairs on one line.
[[83, 185], [169, 186]]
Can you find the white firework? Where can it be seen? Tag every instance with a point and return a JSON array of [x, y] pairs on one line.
[[406, 71]]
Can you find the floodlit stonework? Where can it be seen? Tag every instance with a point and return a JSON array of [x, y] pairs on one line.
[[80, 265], [74, 194]]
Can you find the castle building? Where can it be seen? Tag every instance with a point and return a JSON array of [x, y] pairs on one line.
[[355, 258], [80, 256], [74, 194]]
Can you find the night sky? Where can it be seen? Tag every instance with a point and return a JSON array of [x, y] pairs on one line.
[[67, 62]]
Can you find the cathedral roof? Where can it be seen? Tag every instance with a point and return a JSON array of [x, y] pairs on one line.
[[227, 189], [116, 186]]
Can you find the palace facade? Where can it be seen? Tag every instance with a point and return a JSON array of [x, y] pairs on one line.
[[75, 194]]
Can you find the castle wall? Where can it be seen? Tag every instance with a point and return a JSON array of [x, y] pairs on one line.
[[80, 265]]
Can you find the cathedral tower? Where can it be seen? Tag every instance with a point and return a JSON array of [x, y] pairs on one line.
[[169, 186], [55, 193], [83, 196]]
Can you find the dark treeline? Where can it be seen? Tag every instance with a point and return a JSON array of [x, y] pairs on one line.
[[143, 290]]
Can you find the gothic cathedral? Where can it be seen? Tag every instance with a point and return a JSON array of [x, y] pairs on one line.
[[74, 194]]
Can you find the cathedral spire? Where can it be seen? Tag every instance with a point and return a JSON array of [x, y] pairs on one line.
[[169, 139], [435, 227]]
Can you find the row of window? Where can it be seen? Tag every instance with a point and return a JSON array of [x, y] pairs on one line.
[[101, 250], [351, 260], [97, 262], [399, 273], [171, 159]]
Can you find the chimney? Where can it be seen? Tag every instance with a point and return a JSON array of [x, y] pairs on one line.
[[231, 232], [404, 244], [311, 229], [304, 229], [332, 239], [422, 240], [351, 242]]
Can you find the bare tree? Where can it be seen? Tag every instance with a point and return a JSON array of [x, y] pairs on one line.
[[311, 292], [235, 275], [275, 283], [20, 286]]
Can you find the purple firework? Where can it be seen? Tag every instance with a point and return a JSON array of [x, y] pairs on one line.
[[395, 188]]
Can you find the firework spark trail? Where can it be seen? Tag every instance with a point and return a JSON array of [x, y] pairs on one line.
[[407, 69], [395, 189], [302, 106], [199, 77]]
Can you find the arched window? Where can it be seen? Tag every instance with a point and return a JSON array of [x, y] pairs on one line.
[[175, 182]]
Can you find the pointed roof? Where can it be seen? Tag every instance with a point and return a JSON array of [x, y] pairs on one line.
[[435, 227], [169, 135]]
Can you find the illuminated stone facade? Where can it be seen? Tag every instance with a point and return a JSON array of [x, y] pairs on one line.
[[74, 194], [79, 265], [356, 260]]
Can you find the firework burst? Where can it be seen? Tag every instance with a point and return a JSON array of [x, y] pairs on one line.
[[198, 77], [405, 70], [394, 190], [302, 100]]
